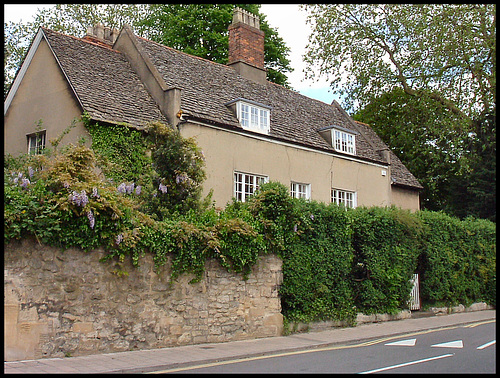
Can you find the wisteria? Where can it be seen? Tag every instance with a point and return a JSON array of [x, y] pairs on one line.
[[138, 190], [79, 199], [30, 172], [162, 188], [95, 194], [90, 215], [125, 188], [183, 177], [119, 239], [24, 183]]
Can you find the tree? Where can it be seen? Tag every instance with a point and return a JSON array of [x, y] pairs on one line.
[[444, 51], [420, 133], [202, 30], [424, 76], [198, 29]]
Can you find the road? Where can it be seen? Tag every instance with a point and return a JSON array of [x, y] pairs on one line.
[[468, 348]]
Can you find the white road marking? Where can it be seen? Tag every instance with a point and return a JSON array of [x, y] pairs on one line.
[[409, 342], [486, 345], [407, 364], [450, 344]]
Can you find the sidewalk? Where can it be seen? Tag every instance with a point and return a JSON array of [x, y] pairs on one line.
[[169, 358]]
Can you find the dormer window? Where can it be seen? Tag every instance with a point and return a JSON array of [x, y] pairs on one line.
[[340, 138], [253, 116], [344, 142]]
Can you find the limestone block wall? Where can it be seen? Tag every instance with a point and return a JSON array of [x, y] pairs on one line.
[[68, 303]]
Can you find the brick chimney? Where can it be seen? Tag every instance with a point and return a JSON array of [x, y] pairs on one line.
[[246, 46]]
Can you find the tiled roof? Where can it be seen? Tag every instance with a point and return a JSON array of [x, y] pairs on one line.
[[110, 90], [103, 80]]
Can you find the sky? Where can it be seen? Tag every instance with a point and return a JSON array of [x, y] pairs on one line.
[[288, 19]]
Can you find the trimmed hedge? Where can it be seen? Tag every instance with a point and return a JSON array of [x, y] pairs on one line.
[[338, 262]]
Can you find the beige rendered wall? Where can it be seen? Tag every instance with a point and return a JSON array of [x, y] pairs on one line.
[[227, 152], [406, 198], [43, 94]]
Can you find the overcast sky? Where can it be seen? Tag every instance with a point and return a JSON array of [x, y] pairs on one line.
[[288, 19]]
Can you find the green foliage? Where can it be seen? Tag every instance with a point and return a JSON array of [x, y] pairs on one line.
[[179, 166], [457, 259], [443, 51], [121, 152], [385, 249], [317, 263]]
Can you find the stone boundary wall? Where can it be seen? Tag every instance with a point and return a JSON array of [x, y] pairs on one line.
[[67, 303]]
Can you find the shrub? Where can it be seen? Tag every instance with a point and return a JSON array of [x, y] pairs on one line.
[[385, 256], [457, 259]]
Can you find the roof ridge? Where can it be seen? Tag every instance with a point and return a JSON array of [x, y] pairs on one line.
[[82, 39], [181, 52]]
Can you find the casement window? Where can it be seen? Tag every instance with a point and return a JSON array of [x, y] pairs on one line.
[[300, 190], [343, 197], [246, 184], [344, 142], [36, 142], [253, 116]]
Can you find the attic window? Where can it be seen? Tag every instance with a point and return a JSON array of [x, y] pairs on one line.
[[252, 115], [341, 139], [344, 142]]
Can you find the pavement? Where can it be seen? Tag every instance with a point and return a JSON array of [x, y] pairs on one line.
[[149, 361]]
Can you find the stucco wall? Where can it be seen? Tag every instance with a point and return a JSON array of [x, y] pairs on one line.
[[43, 94], [227, 152], [406, 198], [59, 303]]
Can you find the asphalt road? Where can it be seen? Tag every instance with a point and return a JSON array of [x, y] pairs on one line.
[[467, 348]]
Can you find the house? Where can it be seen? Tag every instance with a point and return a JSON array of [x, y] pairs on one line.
[[250, 130]]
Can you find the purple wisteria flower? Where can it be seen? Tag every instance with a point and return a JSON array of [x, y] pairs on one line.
[[119, 239], [138, 190], [79, 199], [129, 188], [162, 188], [295, 228], [24, 183], [95, 193], [30, 172], [122, 188], [91, 219]]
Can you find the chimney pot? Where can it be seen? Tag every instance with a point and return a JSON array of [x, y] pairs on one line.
[[99, 30]]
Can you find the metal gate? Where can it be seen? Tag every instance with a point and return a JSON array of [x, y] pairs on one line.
[[414, 302]]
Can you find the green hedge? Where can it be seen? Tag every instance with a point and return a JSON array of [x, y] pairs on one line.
[[457, 259], [338, 262]]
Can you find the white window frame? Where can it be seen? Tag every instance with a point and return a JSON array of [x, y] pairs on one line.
[[246, 184], [343, 141], [253, 117], [36, 142], [300, 190], [344, 197]]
